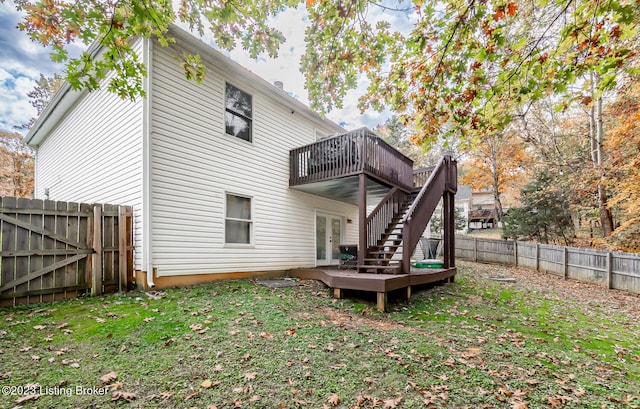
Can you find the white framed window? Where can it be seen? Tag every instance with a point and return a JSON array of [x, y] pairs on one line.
[[238, 222], [238, 116]]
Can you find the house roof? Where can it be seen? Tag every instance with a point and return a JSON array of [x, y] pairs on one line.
[[66, 97]]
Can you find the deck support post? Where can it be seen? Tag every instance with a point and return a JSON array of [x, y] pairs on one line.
[[382, 302], [337, 293], [449, 207], [408, 293], [449, 229], [362, 219]]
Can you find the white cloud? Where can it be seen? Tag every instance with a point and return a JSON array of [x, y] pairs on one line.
[[21, 62], [15, 109]]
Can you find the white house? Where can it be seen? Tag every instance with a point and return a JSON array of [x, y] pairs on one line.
[[212, 171]]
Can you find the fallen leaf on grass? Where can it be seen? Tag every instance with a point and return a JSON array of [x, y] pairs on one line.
[[163, 395], [207, 383], [392, 403], [108, 378], [126, 396], [26, 398], [192, 394], [35, 357], [290, 331], [255, 398], [266, 335], [115, 386], [334, 399], [39, 327], [250, 375]]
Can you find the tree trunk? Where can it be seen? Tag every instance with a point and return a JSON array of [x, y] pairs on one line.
[[606, 219], [596, 129], [496, 187]]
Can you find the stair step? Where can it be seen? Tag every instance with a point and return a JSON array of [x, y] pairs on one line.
[[371, 267], [376, 262], [383, 252]]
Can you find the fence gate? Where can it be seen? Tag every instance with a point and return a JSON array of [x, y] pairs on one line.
[[56, 250]]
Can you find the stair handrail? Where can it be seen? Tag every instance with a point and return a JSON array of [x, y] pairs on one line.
[[425, 202], [389, 205], [434, 174]]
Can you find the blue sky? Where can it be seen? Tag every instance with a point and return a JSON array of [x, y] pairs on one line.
[[22, 61]]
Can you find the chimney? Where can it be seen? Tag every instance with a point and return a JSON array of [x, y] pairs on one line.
[[279, 84]]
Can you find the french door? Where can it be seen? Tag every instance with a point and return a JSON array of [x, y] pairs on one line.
[[328, 238]]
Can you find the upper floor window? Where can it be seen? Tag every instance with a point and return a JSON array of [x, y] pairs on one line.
[[239, 113]]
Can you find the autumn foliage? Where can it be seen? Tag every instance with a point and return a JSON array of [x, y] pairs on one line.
[[16, 166], [623, 169]]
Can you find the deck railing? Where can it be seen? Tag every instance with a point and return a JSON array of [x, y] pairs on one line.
[[421, 175], [382, 216], [350, 154]]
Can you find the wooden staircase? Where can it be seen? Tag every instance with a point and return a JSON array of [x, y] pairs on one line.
[[396, 224], [380, 255]]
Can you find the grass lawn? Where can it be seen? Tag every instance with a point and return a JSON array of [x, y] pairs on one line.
[[540, 342]]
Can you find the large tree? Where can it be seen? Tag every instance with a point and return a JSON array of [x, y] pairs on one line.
[[463, 65], [397, 134], [41, 94], [623, 168], [544, 215], [500, 162], [16, 166]]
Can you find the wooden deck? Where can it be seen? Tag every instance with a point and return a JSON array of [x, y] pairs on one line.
[[380, 283]]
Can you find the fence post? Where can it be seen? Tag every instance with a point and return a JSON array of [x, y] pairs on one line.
[[565, 263], [537, 257], [515, 253], [122, 248], [96, 278], [609, 270], [475, 249]]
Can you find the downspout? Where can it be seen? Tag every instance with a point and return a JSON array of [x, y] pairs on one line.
[[147, 257]]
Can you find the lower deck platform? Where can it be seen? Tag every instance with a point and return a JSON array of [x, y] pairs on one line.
[[380, 283]]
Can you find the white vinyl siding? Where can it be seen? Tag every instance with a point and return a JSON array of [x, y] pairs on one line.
[[94, 155], [195, 164]]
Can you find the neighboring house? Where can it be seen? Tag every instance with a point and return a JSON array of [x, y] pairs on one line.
[[214, 171], [463, 203], [484, 212]]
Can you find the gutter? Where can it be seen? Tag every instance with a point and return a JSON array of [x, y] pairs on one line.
[[147, 255]]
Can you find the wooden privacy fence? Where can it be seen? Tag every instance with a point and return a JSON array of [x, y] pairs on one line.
[[56, 250], [620, 271]]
